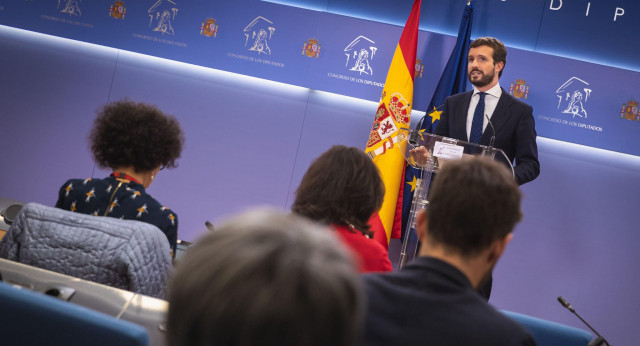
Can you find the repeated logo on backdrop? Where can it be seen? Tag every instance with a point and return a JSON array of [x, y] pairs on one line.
[[209, 28], [574, 100], [161, 16], [360, 53], [419, 69], [258, 34], [311, 48], [519, 89], [117, 10], [630, 111], [70, 7], [573, 96]]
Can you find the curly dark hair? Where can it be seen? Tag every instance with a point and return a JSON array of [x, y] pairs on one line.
[[341, 187], [126, 133]]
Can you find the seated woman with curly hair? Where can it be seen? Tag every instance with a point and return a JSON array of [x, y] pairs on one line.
[[343, 188], [136, 141]]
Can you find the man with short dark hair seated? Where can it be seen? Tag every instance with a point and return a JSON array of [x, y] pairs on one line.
[[474, 204], [265, 278]]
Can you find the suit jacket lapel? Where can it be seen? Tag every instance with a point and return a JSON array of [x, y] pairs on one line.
[[460, 125]]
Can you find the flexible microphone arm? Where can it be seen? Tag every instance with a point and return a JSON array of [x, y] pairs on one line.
[[493, 138], [566, 304]]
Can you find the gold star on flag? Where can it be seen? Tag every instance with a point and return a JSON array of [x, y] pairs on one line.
[[413, 183], [435, 115]]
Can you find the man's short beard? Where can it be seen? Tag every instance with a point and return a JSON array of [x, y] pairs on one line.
[[483, 81]]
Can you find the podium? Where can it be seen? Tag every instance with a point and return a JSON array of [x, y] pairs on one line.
[[425, 153]]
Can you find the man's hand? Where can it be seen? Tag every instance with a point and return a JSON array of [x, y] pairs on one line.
[[419, 156]]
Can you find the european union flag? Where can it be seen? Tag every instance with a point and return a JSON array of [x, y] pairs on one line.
[[452, 81]]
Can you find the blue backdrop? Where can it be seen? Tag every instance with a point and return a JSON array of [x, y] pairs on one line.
[[558, 69], [253, 130]]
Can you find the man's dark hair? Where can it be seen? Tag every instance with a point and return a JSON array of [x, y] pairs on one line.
[[342, 186], [472, 202], [499, 50], [126, 133], [265, 278]]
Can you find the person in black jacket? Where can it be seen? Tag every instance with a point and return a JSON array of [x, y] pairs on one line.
[[512, 126], [473, 207], [135, 141]]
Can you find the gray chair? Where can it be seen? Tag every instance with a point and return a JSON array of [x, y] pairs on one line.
[[125, 254]]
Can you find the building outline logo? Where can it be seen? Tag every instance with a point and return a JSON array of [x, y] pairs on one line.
[[161, 16], [360, 52], [258, 33], [572, 97], [71, 7]]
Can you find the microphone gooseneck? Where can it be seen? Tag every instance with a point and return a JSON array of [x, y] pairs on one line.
[[493, 129], [565, 303]]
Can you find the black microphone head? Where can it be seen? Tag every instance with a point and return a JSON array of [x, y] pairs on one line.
[[414, 138], [565, 303]]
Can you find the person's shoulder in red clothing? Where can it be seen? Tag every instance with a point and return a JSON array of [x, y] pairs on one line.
[[371, 255]]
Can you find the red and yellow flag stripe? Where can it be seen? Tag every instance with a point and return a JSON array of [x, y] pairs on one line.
[[393, 113]]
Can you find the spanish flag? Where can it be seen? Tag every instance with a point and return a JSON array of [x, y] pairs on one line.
[[393, 113]]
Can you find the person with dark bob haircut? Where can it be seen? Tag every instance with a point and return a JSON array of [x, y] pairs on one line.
[[265, 278], [343, 188], [136, 141]]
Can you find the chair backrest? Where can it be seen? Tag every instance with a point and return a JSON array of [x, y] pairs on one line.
[[145, 311], [126, 254], [31, 318], [547, 333]]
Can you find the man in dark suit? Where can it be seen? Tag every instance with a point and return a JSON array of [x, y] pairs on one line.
[[468, 116], [432, 301]]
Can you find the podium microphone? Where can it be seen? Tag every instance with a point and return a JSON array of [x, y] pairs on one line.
[[414, 138], [600, 338], [493, 137]]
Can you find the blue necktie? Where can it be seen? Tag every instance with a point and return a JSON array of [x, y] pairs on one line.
[[478, 118]]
